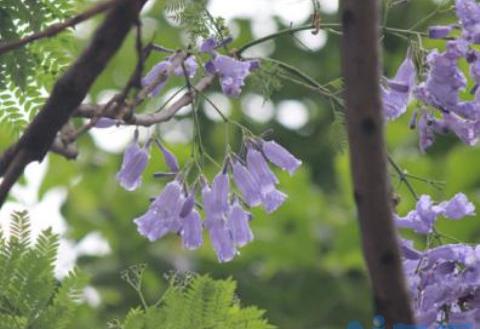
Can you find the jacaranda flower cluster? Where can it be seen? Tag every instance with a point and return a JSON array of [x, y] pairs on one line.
[[176, 209], [444, 281], [231, 72], [444, 111]]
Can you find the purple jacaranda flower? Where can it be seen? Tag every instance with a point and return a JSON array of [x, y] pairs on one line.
[[408, 250], [188, 205], [458, 253], [280, 157], [170, 158], [208, 45], [238, 223], [266, 179], [104, 122], [457, 207], [247, 185], [444, 80], [439, 31], [190, 65], [468, 12], [426, 131], [191, 231], [466, 130], [421, 219], [232, 73], [222, 241], [135, 160], [163, 216], [158, 75], [474, 66], [397, 94], [215, 200]]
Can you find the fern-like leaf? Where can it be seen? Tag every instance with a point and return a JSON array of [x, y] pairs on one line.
[[30, 296]]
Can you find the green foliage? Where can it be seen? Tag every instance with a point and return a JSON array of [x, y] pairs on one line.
[[337, 132], [267, 79], [30, 296], [195, 301], [195, 19], [27, 72]]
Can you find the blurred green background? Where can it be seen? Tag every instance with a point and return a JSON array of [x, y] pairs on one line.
[[305, 266]]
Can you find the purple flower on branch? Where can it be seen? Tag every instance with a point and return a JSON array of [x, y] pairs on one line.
[[239, 224], [163, 216], [247, 185], [190, 65], [266, 179], [457, 207], [104, 122], [208, 45], [280, 157], [170, 158], [191, 231], [135, 160], [232, 73], [439, 31], [397, 94], [158, 74]]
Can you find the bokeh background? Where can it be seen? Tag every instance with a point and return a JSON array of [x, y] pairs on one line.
[[305, 266]]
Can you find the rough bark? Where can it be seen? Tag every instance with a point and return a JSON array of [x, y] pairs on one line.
[[361, 71]]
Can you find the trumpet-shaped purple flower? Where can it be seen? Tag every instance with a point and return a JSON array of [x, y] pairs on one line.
[[232, 73], [280, 157], [170, 158], [163, 216], [105, 123], [190, 65], [191, 231], [444, 80], [238, 223], [215, 200], [208, 45], [258, 168], [468, 12], [457, 207], [398, 93], [222, 241], [246, 184], [158, 75], [135, 160], [439, 31], [188, 205], [466, 130], [426, 129], [421, 219]]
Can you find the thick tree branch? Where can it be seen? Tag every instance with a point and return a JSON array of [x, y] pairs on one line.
[[148, 119], [57, 28], [361, 70], [68, 93]]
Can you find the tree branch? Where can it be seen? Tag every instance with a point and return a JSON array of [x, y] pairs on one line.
[[68, 93], [360, 65], [57, 28], [149, 119]]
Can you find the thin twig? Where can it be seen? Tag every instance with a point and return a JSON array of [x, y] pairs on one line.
[[57, 28]]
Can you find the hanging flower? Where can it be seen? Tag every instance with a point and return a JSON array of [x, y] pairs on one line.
[[135, 160], [397, 94], [232, 73]]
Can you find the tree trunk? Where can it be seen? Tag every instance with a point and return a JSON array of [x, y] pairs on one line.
[[361, 71]]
